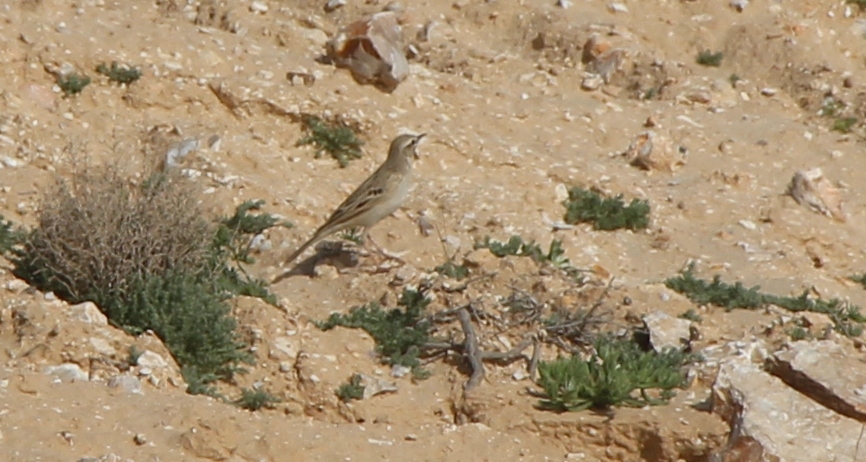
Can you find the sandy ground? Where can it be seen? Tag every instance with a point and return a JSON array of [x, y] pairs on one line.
[[497, 88]]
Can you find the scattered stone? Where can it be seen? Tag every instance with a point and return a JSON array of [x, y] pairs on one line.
[[591, 82], [769, 91], [651, 151], [68, 372], [16, 285], [404, 274], [739, 5], [666, 331], [139, 439], [301, 78], [826, 372], [88, 312], [399, 370], [372, 49], [810, 188], [332, 5], [617, 8], [374, 386], [177, 153], [149, 360], [259, 7], [770, 421], [129, 383]]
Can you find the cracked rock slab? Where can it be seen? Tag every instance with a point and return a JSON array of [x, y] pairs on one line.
[[771, 421]]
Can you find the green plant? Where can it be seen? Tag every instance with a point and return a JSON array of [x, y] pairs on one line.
[[846, 318], [516, 246], [11, 236], [121, 74], [859, 278], [352, 389], [843, 124], [72, 84], [691, 315], [337, 140], [831, 107], [254, 400], [584, 206], [133, 353], [708, 58], [716, 292], [191, 319], [610, 377], [799, 333], [734, 78], [353, 235], [233, 241], [452, 270], [399, 334], [145, 255]]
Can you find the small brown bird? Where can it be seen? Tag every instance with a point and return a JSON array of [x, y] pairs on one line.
[[376, 198]]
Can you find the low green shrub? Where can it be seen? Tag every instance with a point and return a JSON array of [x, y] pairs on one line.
[[399, 334], [611, 213], [610, 377], [336, 139]]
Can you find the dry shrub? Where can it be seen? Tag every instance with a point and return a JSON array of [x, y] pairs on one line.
[[101, 230]]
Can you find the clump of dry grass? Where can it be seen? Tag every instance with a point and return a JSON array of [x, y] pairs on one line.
[[100, 231]]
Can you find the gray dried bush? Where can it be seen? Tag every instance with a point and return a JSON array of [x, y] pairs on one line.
[[99, 231]]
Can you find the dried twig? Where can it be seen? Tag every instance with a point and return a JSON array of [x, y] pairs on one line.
[[471, 350], [536, 355]]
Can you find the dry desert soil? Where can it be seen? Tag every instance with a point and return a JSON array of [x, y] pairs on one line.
[[517, 111]]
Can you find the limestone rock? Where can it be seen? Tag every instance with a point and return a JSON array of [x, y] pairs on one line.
[[772, 422]]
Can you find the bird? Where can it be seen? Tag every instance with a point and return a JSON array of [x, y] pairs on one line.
[[376, 198]]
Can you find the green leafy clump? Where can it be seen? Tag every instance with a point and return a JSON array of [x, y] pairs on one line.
[[734, 78], [843, 124], [233, 241], [584, 206], [708, 58], [353, 235], [10, 236], [452, 270], [610, 377], [799, 333], [72, 84], [516, 246], [691, 315], [831, 107], [337, 140], [716, 292], [846, 318], [117, 73], [143, 252], [352, 389], [859, 278], [399, 334], [254, 400]]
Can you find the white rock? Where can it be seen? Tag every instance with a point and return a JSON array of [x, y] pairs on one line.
[[151, 360], [667, 332], [127, 382], [68, 372], [259, 7], [88, 312], [775, 420]]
